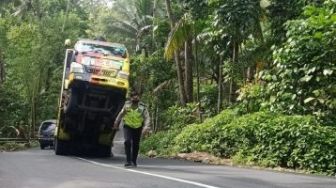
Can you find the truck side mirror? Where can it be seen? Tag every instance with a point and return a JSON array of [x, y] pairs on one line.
[[70, 57], [124, 55]]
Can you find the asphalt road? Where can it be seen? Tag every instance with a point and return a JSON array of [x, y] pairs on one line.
[[36, 168]]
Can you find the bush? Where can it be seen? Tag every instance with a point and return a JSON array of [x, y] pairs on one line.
[[208, 98], [178, 116], [251, 98], [205, 136], [13, 146], [302, 80], [288, 141], [161, 142], [263, 138]]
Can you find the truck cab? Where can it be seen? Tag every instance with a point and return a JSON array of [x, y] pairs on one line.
[[100, 63]]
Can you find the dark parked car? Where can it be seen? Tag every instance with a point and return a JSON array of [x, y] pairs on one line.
[[46, 133]]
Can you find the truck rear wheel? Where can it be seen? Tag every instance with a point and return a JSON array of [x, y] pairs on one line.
[[60, 147], [42, 146], [104, 151]]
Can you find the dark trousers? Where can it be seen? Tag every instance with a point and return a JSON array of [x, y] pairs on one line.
[[132, 141]]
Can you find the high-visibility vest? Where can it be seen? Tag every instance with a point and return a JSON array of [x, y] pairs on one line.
[[134, 117]]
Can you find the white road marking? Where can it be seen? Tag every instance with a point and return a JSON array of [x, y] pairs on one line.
[[119, 142], [149, 174]]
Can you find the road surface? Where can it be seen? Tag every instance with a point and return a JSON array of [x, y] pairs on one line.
[[36, 168]]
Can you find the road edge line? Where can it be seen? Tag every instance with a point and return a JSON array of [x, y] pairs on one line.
[[149, 174]]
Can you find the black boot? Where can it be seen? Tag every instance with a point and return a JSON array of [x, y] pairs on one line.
[[128, 164], [134, 163]]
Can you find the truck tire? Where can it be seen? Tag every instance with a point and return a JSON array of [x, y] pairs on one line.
[[71, 101], [104, 151], [42, 146], [60, 147]]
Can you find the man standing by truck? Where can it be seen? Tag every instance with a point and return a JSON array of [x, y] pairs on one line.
[[135, 120]]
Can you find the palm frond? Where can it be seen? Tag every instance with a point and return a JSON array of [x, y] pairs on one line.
[[24, 7], [9, 129], [183, 31], [144, 30], [121, 30], [126, 25], [145, 7], [162, 86]]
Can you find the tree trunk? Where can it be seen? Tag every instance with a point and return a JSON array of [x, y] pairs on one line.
[[234, 62], [176, 57], [48, 78], [2, 73], [248, 74], [251, 71], [200, 110], [156, 122], [66, 15], [170, 13], [2, 68], [183, 98], [153, 22], [219, 96], [230, 91], [36, 89], [33, 116], [188, 82]]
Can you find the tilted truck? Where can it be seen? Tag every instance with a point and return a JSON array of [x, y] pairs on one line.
[[94, 87]]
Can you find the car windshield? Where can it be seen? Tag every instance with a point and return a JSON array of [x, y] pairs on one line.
[[106, 50], [47, 128], [50, 128], [46, 125]]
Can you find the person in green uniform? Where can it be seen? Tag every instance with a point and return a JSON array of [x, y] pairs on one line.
[[135, 120]]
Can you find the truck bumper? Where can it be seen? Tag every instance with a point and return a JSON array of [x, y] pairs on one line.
[[97, 80]]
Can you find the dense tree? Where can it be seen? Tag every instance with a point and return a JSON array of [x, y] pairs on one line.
[[304, 66], [235, 22], [181, 38], [280, 12], [180, 76], [32, 54], [218, 45]]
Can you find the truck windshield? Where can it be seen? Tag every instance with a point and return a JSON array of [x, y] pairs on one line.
[[106, 50]]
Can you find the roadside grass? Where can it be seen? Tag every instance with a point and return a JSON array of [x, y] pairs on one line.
[[12, 146]]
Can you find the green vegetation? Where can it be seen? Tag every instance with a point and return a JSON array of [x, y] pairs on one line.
[[263, 138], [12, 146], [272, 62], [304, 73], [282, 116], [32, 35]]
